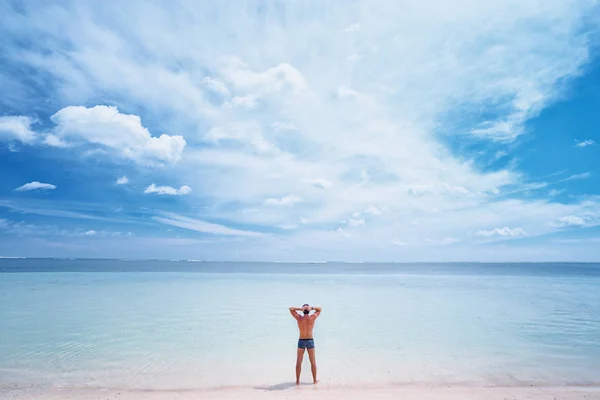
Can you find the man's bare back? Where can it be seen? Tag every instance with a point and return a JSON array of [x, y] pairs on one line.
[[306, 324]]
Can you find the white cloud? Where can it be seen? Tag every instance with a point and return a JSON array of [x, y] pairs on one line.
[[201, 226], [123, 134], [283, 126], [373, 210], [168, 190], [352, 28], [355, 222], [584, 143], [55, 141], [555, 192], [248, 135], [399, 243], [124, 180], [283, 201], [184, 190], [500, 130], [526, 104], [217, 86], [248, 101], [341, 231], [17, 128], [345, 92], [273, 79], [35, 186], [570, 220], [27, 229], [514, 232], [51, 210], [418, 190], [575, 177]]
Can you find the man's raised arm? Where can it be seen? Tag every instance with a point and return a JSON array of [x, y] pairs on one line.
[[317, 311], [294, 313]]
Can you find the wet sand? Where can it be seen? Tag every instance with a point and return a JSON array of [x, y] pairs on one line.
[[308, 391]]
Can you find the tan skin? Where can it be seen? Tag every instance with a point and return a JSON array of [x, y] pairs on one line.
[[306, 323]]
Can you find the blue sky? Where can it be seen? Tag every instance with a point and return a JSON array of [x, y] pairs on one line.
[[300, 130]]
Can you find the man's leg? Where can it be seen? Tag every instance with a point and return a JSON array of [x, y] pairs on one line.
[[313, 363], [299, 358]]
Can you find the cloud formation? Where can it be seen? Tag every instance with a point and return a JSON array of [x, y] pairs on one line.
[[576, 177], [315, 117], [201, 226], [168, 190], [100, 127], [353, 27], [584, 143], [35, 185], [17, 128], [506, 232], [124, 180], [273, 79], [283, 201], [122, 134], [571, 221]]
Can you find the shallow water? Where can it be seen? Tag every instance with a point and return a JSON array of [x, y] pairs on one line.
[[191, 325]]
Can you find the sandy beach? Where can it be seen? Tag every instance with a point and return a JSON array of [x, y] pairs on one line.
[[290, 391]]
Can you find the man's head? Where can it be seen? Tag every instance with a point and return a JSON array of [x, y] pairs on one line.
[[305, 309]]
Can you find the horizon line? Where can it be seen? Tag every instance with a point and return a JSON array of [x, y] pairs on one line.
[[291, 262]]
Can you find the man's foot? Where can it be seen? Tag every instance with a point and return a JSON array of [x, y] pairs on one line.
[[297, 382], [315, 382]]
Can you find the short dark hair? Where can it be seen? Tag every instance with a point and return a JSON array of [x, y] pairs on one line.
[[305, 305]]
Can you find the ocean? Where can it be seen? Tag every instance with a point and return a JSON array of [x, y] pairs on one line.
[[180, 324]]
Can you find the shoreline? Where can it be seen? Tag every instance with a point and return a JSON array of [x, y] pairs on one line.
[[289, 390]]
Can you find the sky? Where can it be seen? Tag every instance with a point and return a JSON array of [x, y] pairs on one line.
[[300, 130]]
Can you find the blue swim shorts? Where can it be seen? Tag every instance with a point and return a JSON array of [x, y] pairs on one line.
[[306, 343]]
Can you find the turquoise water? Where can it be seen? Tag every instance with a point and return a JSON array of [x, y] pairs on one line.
[[191, 325]]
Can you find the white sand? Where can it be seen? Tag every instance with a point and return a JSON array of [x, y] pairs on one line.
[[285, 391]]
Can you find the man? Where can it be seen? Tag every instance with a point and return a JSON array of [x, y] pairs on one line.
[[306, 323]]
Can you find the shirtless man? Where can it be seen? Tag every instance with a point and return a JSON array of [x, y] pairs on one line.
[[306, 323]]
